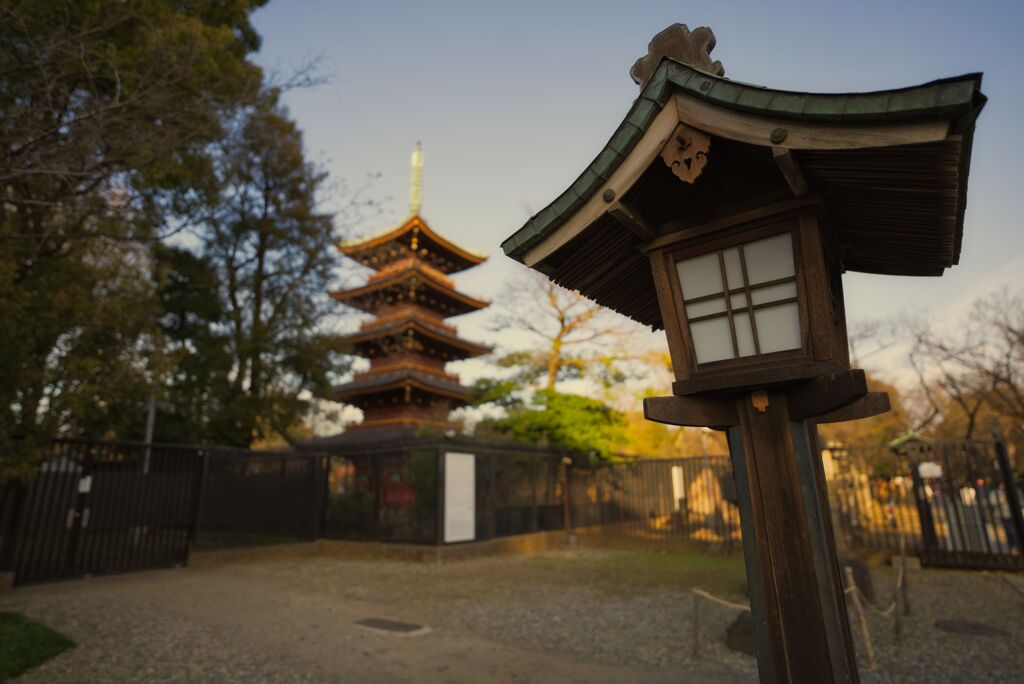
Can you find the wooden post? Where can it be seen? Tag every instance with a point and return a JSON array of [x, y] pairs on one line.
[[1012, 497], [796, 592], [565, 496], [861, 619], [696, 627], [796, 597], [439, 510], [903, 565]]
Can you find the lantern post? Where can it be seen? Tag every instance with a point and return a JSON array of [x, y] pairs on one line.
[[726, 214]]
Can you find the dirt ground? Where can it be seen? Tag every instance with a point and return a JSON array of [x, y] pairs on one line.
[[566, 616]]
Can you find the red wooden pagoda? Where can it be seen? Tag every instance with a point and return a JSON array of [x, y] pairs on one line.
[[408, 342]]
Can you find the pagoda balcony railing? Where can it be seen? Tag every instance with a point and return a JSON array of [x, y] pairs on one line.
[[405, 311], [411, 263], [407, 365]]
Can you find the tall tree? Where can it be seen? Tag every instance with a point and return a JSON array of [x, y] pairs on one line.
[[567, 421], [107, 110], [191, 336], [976, 367], [274, 251], [573, 336]]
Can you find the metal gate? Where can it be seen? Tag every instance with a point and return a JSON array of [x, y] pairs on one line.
[[955, 504], [97, 508], [968, 504]]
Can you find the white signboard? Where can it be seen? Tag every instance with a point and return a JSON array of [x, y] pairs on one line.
[[678, 486], [459, 497]]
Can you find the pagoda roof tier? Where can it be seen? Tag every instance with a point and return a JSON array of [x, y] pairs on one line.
[[425, 330], [412, 237], [889, 170], [415, 282], [375, 383]]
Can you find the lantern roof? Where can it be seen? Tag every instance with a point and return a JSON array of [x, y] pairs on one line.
[[889, 169]]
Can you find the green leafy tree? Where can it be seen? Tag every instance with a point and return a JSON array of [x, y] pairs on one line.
[[573, 337], [568, 421], [191, 336], [107, 111]]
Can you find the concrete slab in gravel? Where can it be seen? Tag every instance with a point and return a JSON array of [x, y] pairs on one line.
[[393, 627], [1016, 582]]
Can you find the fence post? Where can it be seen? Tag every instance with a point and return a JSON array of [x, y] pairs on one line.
[[492, 495], [197, 502], [325, 492], [439, 521], [1012, 495], [315, 468], [375, 469], [535, 476], [12, 498], [565, 496]]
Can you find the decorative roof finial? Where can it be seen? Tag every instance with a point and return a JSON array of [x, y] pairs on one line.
[[678, 42], [415, 191]]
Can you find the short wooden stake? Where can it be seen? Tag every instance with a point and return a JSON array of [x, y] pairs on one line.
[[903, 586], [696, 627], [865, 632]]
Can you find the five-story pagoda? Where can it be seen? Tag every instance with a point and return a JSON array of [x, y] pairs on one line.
[[408, 342]]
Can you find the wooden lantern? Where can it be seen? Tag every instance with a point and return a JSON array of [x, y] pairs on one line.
[[752, 303], [726, 213]]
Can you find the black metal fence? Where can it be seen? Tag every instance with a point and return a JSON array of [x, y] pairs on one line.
[[396, 493], [250, 498], [954, 504], [683, 499], [97, 508], [102, 507]]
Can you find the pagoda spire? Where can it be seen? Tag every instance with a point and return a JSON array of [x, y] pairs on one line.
[[416, 185]]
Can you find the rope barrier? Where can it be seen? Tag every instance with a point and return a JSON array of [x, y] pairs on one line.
[[886, 612], [720, 601]]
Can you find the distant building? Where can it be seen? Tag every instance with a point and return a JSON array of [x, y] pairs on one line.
[[408, 343]]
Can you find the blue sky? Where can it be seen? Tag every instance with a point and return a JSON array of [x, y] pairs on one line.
[[513, 99]]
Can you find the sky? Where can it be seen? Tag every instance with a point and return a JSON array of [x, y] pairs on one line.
[[512, 100]]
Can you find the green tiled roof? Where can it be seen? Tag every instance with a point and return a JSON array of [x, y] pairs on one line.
[[952, 97]]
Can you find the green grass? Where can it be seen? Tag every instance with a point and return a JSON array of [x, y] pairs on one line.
[[651, 569], [25, 644]]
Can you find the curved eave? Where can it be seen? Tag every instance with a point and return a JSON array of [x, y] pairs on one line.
[[956, 100], [352, 297], [440, 335], [354, 248], [376, 383]]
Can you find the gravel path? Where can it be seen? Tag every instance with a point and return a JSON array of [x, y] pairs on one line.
[[573, 616]]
